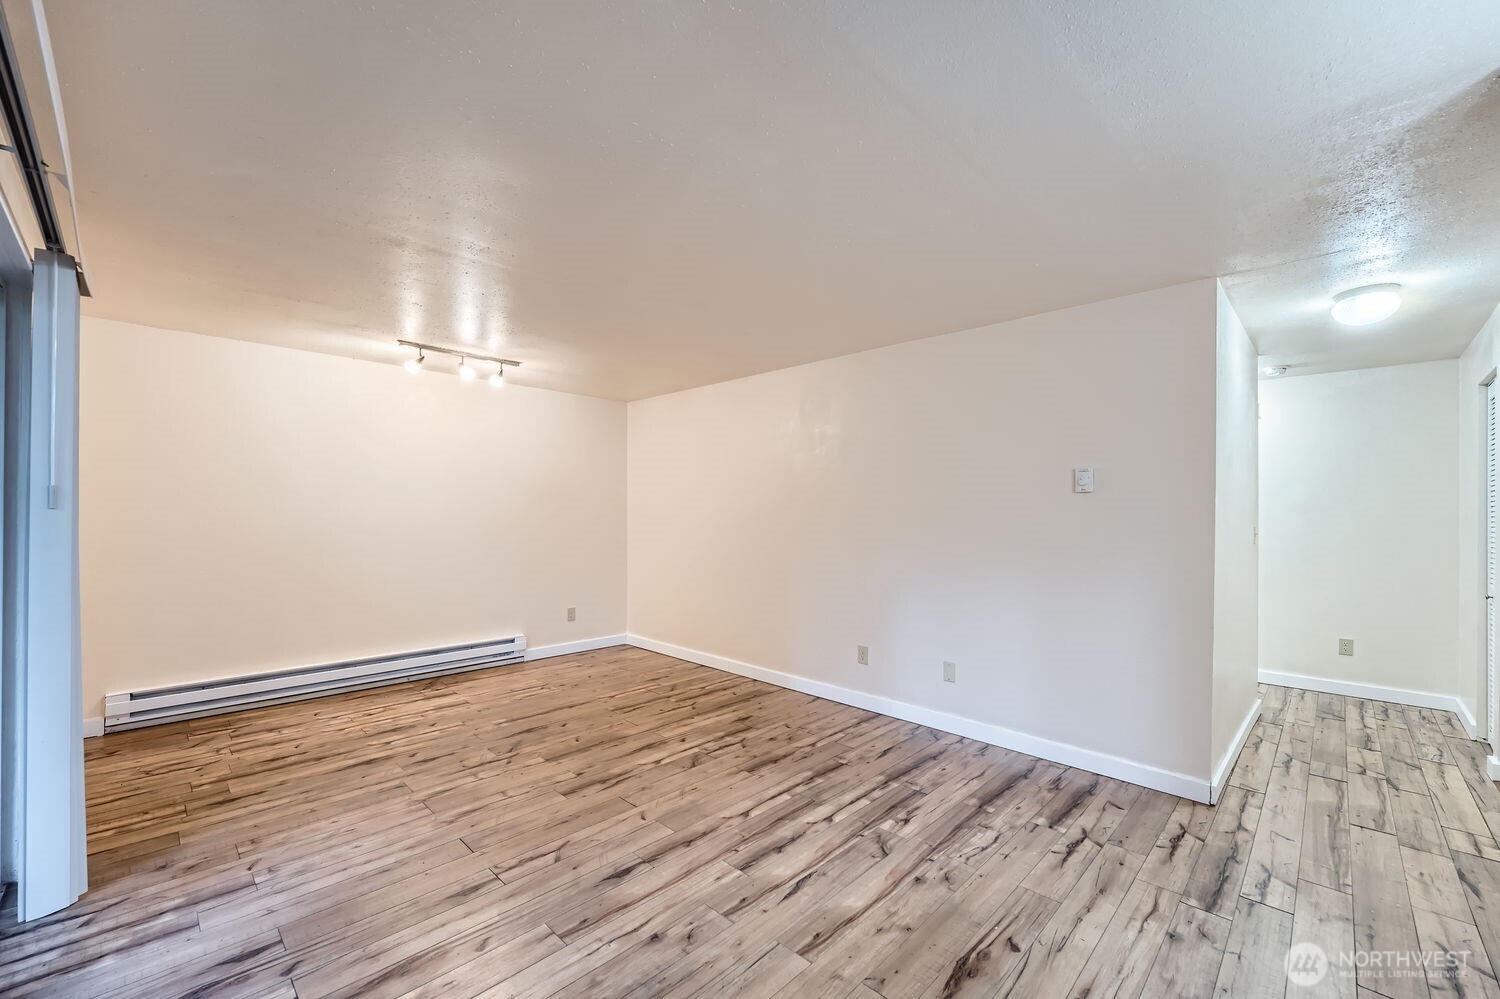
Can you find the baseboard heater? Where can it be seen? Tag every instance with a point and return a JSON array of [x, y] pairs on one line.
[[157, 705]]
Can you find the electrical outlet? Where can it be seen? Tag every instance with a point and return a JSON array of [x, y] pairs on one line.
[[1346, 646], [572, 613], [862, 654], [950, 672]]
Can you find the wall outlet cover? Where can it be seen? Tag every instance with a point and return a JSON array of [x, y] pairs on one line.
[[862, 654], [950, 672], [1346, 646]]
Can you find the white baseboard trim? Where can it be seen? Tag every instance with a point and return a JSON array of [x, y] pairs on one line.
[[93, 727], [1373, 692], [1171, 782], [1466, 719], [1226, 765], [583, 645]]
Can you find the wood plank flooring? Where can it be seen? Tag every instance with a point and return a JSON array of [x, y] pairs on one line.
[[622, 824]]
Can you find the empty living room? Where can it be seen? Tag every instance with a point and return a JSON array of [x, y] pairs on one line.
[[762, 500]]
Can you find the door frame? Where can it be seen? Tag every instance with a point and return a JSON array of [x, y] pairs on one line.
[[1489, 539]]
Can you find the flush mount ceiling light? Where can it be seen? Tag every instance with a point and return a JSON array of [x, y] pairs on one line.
[[1370, 304], [466, 371], [1273, 370]]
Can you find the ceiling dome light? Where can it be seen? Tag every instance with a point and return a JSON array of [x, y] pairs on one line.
[[414, 365], [1370, 304], [464, 371], [1274, 370], [497, 380]]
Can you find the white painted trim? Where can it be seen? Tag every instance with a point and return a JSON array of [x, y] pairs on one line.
[[1221, 772], [1171, 782], [1492, 765], [1466, 719], [93, 726], [1373, 692], [583, 645]]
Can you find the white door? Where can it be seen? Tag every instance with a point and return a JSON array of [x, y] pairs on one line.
[[1492, 467], [40, 656]]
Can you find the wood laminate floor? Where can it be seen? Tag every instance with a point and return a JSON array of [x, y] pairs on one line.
[[622, 824]]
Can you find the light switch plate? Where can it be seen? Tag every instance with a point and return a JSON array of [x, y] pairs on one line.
[[1083, 480]]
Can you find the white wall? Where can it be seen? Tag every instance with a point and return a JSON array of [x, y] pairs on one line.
[[1236, 558], [1359, 521], [917, 499], [249, 508]]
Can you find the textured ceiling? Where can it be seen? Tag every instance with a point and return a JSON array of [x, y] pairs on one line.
[[638, 197]]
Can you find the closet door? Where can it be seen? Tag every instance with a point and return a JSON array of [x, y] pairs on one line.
[[1492, 689]]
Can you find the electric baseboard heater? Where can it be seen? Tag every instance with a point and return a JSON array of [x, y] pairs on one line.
[[156, 705]]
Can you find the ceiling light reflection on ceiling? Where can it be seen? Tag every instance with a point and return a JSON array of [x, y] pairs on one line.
[[1370, 304]]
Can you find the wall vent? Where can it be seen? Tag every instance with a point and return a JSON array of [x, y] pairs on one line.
[[156, 705]]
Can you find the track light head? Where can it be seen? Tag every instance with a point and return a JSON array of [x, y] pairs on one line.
[[497, 380], [464, 371], [413, 365]]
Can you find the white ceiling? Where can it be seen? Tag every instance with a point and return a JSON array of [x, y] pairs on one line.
[[637, 197]]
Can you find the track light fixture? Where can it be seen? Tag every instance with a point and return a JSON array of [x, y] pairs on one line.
[[466, 370]]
